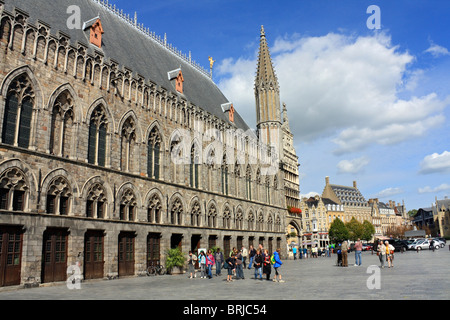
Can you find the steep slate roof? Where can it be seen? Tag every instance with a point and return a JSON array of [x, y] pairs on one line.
[[349, 195], [131, 48]]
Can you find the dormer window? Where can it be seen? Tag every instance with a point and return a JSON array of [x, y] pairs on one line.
[[177, 76], [179, 82], [95, 31], [228, 107]]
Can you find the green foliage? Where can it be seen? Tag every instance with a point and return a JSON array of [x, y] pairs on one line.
[[369, 230], [338, 232], [355, 229], [174, 259]]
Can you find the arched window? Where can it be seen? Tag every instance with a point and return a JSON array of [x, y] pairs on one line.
[[96, 202], [59, 197], [224, 171], [154, 209], [98, 126], [212, 216], [18, 112], [13, 190], [227, 218], [128, 144], [176, 212], [153, 153], [248, 182], [127, 210], [239, 220], [260, 222], [195, 214], [194, 165], [62, 126], [251, 220]]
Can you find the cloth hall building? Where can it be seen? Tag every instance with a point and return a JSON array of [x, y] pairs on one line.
[[115, 147]]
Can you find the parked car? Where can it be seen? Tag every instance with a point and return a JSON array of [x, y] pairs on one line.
[[367, 247], [412, 246], [399, 245], [440, 241], [424, 244]]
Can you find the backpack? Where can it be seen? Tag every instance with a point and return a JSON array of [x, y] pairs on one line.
[[272, 259]]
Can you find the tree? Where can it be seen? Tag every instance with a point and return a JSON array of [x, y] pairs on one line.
[[338, 232], [369, 230], [355, 229]]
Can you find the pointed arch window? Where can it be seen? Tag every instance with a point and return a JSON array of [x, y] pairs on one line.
[[195, 214], [128, 144], [194, 165], [62, 125], [176, 212], [154, 153], [248, 182], [96, 202], [127, 210], [154, 210], [13, 190], [227, 218], [239, 220], [224, 174], [98, 126], [19, 105], [212, 216], [59, 197]]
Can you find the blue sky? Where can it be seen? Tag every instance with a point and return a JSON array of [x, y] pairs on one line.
[[364, 104]]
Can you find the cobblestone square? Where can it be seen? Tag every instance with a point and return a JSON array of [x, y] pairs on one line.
[[415, 276]]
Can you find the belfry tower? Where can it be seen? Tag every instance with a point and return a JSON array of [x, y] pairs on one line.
[[267, 96]]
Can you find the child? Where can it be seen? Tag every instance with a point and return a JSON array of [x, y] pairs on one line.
[[231, 265]]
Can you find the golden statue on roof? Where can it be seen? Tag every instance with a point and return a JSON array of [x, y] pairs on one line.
[[211, 62]]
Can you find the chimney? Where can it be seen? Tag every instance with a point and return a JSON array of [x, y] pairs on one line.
[[354, 184], [327, 180]]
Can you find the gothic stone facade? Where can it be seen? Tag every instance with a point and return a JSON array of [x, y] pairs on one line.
[[86, 175]]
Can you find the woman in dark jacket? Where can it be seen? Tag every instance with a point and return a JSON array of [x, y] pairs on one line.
[[267, 268], [230, 262], [257, 263]]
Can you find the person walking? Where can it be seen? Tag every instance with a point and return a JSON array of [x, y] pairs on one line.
[[267, 267], [381, 252], [218, 257], [277, 265], [294, 252], [244, 256], [191, 264], [209, 263], [202, 261], [257, 263], [389, 253], [238, 261], [251, 255], [358, 250], [344, 251]]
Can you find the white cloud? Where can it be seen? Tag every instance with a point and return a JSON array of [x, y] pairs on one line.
[[437, 50], [341, 87], [309, 194], [388, 192], [436, 163], [428, 189], [352, 166]]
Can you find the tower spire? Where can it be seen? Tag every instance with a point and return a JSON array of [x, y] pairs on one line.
[[267, 96]]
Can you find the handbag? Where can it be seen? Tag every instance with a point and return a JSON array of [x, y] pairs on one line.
[[225, 265]]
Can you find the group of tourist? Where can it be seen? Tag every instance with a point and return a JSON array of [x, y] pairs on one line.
[[260, 259]]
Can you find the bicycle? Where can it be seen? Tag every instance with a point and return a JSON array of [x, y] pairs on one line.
[[156, 270]]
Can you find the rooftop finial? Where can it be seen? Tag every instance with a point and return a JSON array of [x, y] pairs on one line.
[[262, 31]]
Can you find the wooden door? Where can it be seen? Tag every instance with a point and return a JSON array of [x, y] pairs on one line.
[[93, 255], [10, 255], [126, 254], [153, 249], [54, 262]]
